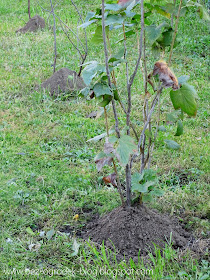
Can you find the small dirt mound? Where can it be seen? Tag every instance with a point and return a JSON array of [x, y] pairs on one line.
[[60, 81], [136, 229], [33, 25]]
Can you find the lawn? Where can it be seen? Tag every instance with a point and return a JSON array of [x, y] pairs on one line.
[[48, 174]]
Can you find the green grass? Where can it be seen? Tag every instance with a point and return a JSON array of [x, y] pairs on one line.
[[48, 174]]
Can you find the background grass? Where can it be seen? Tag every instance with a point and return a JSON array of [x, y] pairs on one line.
[[47, 172]]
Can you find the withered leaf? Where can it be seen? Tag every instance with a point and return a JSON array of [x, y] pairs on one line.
[[166, 76], [103, 161], [108, 147], [110, 179]]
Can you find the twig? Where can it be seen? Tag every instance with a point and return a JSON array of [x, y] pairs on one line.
[[174, 35], [149, 156], [119, 187], [140, 48], [54, 32], [29, 9], [172, 15], [107, 70]]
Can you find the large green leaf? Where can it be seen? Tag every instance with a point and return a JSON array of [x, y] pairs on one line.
[[125, 148], [184, 98], [162, 11], [154, 32], [89, 72], [139, 188], [113, 19], [112, 7], [179, 130], [101, 89], [172, 144]]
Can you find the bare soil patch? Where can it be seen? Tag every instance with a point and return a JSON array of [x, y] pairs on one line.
[[63, 81], [133, 230], [33, 25]]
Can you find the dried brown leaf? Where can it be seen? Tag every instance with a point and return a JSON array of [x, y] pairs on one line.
[[110, 179], [166, 76], [108, 147], [103, 161]]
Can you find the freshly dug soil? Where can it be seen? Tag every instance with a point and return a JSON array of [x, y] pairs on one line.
[[60, 82], [134, 229], [33, 25]]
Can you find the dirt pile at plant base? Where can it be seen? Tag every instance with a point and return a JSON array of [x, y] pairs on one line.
[[136, 229], [63, 81], [33, 25]]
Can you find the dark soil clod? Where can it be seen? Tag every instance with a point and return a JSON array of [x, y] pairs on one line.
[[136, 229], [60, 82], [33, 25]]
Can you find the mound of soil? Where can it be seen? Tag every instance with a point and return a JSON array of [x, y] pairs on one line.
[[136, 229], [61, 82], [33, 25]]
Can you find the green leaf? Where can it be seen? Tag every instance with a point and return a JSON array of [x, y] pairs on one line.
[[98, 35], [154, 32], [87, 23], [172, 144], [179, 130], [171, 117], [149, 174], [147, 197], [157, 192], [184, 98], [116, 95], [166, 38], [113, 19], [30, 231], [101, 89], [162, 128], [162, 11], [126, 148], [85, 91], [112, 7], [113, 139], [139, 188], [107, 99], [89, 72], [136, 178]]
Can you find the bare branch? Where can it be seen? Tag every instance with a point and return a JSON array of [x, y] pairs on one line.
[[107, 69], [54, 32], [140, 48], [29, 9], [175, 31]]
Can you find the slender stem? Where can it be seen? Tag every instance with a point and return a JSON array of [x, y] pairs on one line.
[[54, 32], [85, 48], [29, 9], [172, 15], [175, 32], [119, 187], [140, 48], [106, 121], [149, 156], [107, 69]]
